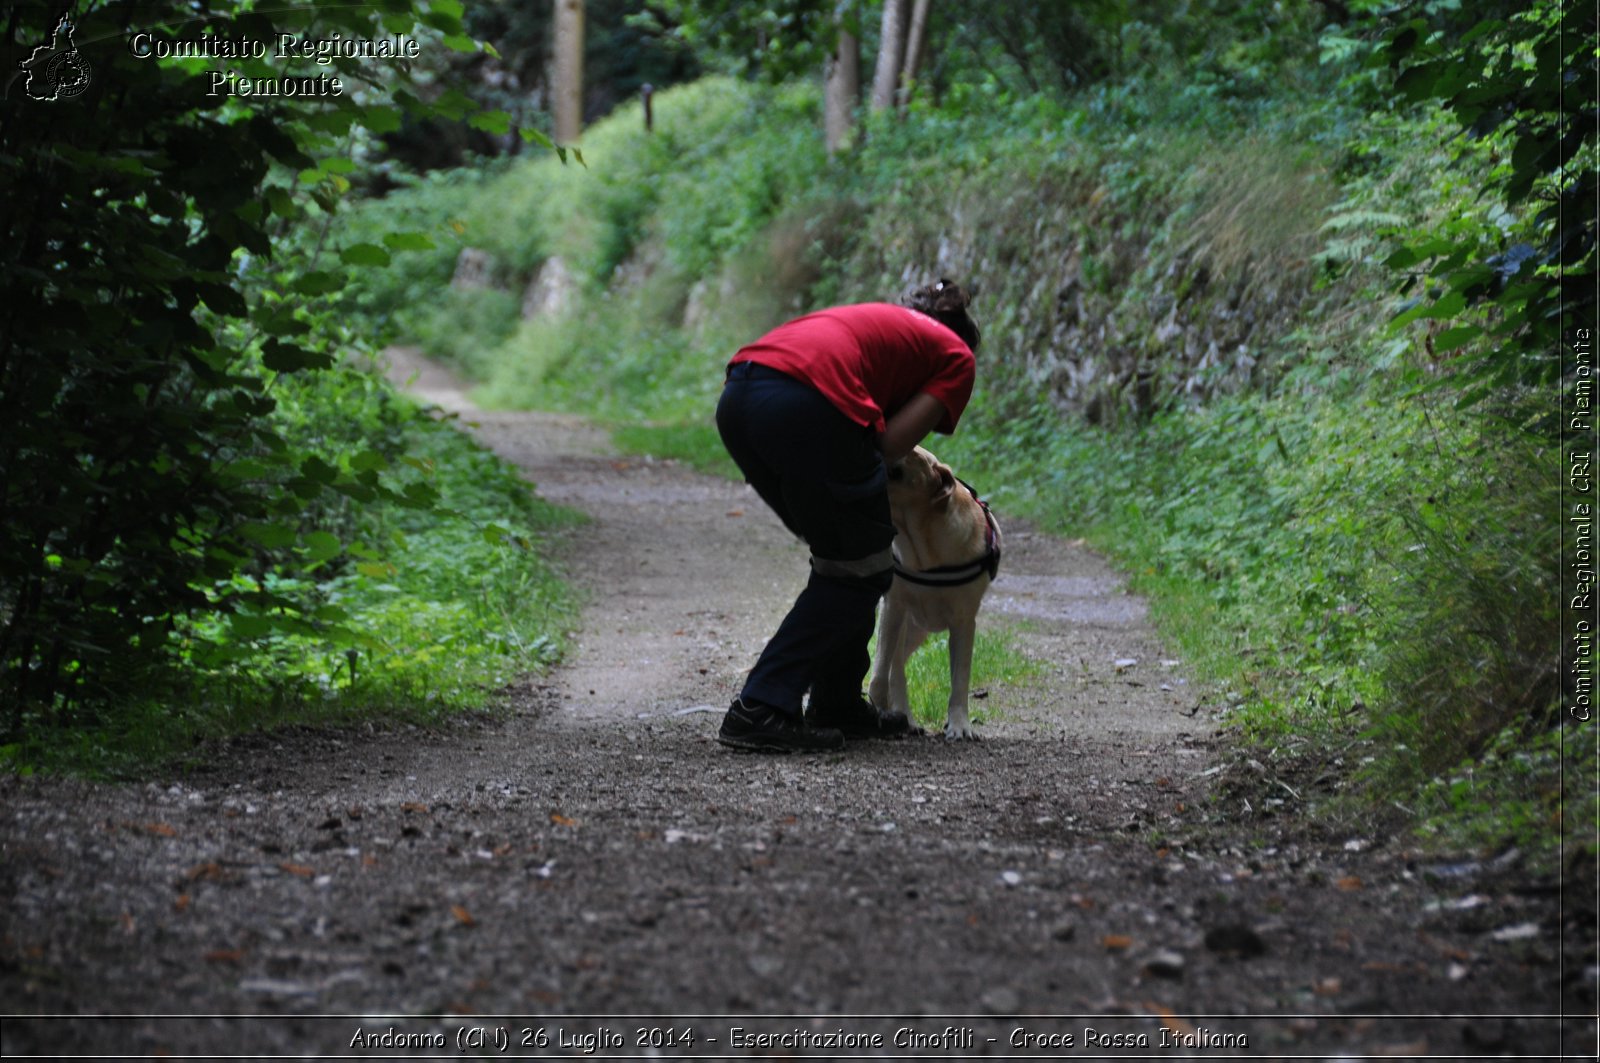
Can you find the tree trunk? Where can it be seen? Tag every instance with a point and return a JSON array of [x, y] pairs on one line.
[[567, 94], [891, 52], [841, 90], [914, 44]]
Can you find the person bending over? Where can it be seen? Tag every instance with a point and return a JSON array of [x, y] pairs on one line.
[[814, 413]]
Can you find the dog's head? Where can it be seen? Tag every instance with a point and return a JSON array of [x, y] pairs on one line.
[[920, 481]]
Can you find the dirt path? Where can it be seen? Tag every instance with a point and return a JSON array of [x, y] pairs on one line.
[[593, 852]]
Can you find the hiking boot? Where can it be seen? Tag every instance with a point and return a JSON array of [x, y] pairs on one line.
[[858, 719], [758, 728]]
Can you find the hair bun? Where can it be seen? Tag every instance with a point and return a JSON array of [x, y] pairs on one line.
[[946, 302]]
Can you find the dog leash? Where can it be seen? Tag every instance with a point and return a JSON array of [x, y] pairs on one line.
[[956, 575]]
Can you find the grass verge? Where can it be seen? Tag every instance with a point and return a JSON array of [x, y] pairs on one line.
[[695, 444], [997, 664], [441, 607]]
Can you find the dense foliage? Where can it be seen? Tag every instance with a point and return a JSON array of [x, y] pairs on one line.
[[1520, 88], [172, 494]]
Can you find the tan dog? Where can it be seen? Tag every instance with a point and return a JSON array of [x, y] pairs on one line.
[[947, 550]]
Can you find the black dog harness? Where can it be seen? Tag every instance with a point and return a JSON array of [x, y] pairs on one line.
[[956, 575]]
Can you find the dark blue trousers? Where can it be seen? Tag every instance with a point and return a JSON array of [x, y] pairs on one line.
[[822, 474]]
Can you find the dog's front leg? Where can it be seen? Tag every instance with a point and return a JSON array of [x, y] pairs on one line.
[[962, 637]]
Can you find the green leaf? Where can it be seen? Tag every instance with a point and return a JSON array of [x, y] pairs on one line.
[[496, 122], [533, 136], [283, 147], [314, 468], [320, 546], [1451, 338], [1403, 258], [222, 299], [317, 282], [368, 459], [1418, 82], [283, 322], [382, 119], [249, 626], [1482, 29], [453, 103], [269, 535], [408, 241], [1530, 151], [460, 42], [280, 201], [1448, 305], [364, 255], [281, 357], [419, 496], [1405, 39]]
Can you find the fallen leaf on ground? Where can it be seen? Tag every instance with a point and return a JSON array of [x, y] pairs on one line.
[[463, 916], [225, 956], [413, 806], [182, 903], [562, 821], [299, 870], [1350, 882], [1116, 942]]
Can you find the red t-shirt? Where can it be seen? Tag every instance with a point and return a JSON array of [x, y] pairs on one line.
[[871, 359]]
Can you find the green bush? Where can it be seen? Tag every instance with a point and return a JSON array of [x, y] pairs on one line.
[[377, 610], [156, 293], [438, 607]]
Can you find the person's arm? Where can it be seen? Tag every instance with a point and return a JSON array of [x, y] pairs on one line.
[[910, 425]]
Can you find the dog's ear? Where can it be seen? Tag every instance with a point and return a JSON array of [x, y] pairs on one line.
[[944, 485]]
